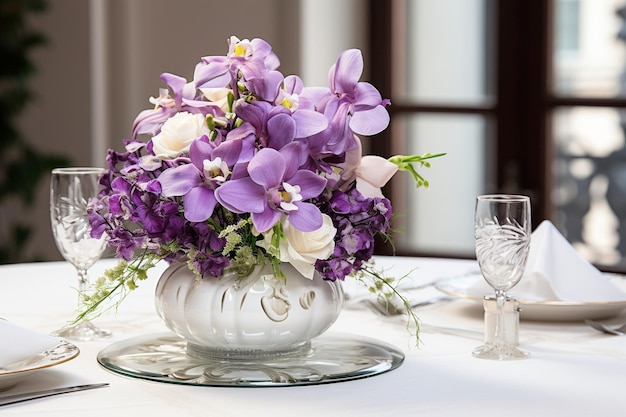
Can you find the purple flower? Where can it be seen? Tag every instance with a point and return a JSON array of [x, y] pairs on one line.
[[254, 60], [186, 98], [361, 101], [275, 187], [197, 181], [263, 149]]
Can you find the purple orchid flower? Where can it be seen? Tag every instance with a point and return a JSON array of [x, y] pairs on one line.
[[361, 101], [186, 98], [276, 126], [196, 182], [275, 187], [254, 59]]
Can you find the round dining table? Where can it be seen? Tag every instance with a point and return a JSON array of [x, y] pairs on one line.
[[573, 369]]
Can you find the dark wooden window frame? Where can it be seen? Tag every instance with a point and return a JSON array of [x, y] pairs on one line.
[[523, 102]]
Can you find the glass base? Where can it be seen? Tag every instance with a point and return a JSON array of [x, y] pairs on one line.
[[501, 353], [328, 358], [83, 332]]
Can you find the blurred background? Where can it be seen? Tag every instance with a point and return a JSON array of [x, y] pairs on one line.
[[525, 96]]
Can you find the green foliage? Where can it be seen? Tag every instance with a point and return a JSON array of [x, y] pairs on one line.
[[22, 166], [405, 163]]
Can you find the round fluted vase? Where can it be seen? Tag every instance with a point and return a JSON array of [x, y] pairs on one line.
[[256, 315]]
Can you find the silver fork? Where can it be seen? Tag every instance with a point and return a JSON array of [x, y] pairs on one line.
[[390, 309], [618, 331]]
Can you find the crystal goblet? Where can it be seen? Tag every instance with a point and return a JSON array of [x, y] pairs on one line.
[[70, 192], [502, 230]]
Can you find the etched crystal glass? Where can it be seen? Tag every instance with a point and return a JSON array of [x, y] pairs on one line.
[[502, 230], [70, 192]]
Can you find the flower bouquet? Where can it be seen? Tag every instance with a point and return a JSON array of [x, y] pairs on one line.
[[244, 166]]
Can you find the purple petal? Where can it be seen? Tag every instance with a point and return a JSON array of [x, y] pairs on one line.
[[309, 123], [268, 86], [307, 218], [262, 48], [293, 84], [242, 196], [315, 98], [229, 151], [366, 95], [200, 150], [267, 168], [311, 184], [265, 220], [175, 82], [179, 180], [370, 122], [347, 71], [211, 74], [150, 121], [281, 130], [295, 155], [199, 204]]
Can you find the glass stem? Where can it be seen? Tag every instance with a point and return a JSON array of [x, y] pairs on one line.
[[500, 331], [83, 281]]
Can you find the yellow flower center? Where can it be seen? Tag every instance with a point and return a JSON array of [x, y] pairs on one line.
[[240, 50]]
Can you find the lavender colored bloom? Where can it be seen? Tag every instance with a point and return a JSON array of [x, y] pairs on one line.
[[275, 187], [254, 60], [358, 220], [197, 181], [268, 152], [359, 100], [186, 98]]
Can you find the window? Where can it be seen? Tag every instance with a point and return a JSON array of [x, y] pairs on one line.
[[525, 96]]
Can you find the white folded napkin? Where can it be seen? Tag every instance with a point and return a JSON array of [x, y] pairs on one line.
[[556, 272], [18, 343]]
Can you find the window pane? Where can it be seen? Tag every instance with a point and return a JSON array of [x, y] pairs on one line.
[[589, 57], [443, 57], [590, 184], [440, 219]]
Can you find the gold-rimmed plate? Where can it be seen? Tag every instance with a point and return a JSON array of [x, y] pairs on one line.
[[10, 374], [474, 288]]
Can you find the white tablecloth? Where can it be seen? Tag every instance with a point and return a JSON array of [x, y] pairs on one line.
[[574, 370]]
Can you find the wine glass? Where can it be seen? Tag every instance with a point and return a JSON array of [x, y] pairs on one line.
[[70, 192], [502, 230]]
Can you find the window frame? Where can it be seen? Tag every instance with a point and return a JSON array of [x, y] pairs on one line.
[[523, 98]]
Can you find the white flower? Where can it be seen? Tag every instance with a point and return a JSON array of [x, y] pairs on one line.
[[303, 249], [217, 96], [177, 133], [291, 194], [371, 172], [215, 169], [164, 99]]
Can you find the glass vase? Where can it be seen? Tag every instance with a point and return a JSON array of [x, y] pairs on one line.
[[255, 315]]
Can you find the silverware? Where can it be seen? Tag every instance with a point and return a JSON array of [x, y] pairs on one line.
[[618, 331], [390, 309], [18, 398], [452, 331]]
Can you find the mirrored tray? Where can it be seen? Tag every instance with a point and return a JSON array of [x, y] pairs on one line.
[[329, 358]]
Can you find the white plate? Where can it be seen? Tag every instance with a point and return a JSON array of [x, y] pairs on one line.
[[63, 352], [469, 287]]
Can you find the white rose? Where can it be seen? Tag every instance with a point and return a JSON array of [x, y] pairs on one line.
[[177, 133], [303, 249], [217, 96]]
